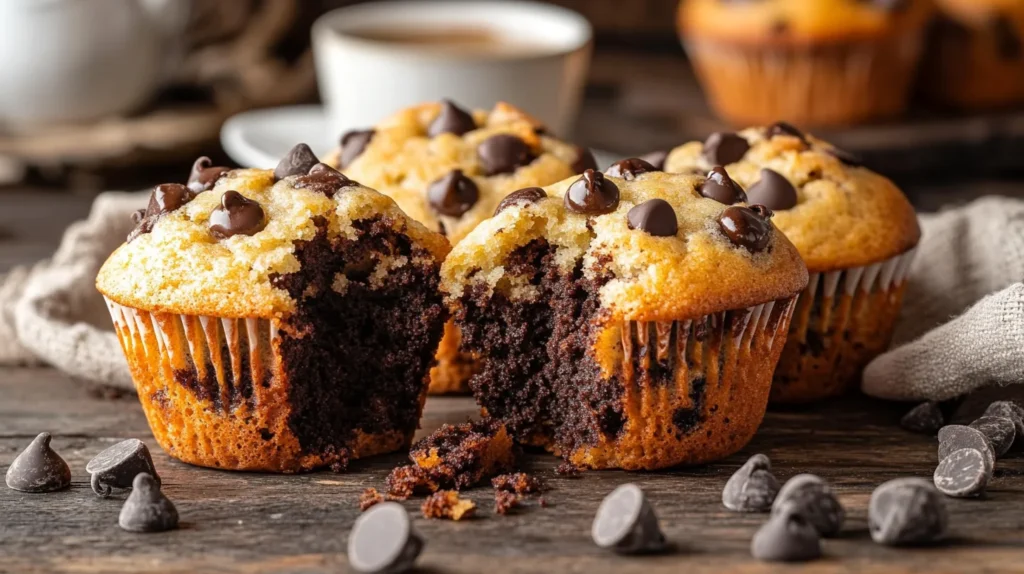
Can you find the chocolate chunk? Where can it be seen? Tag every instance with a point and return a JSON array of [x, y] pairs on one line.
[[383, 540], [656, 158], [451, 120], [592, 194], [453, 194], [752, 488], [785, 129], [584, 160], [773, 191], [353, 144], [626, 523], [204, 175], [848, 158], [788, 536], [503, 153], [117, 466], [164, 199], [721, 188], [147, 509], [747, 227], [324, 179], [924, 418], [1000, 431], [956, 437], [655, 216], [237, 215], [299, 161], [39, 468], [522, 196], [907, 511], [1010, 410], [1009, 44], [723, 148], [629, 169], [963, 473], [814, 500]]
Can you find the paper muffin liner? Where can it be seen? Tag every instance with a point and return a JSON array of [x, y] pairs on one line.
[[693, 390], [808, 85], [842, 320], [215, 393]]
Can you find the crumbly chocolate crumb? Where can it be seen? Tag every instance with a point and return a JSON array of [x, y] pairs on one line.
[[408, 480], [505, 501], [368, 498], [568, 470], [464, 455], [519, 483], [447, 504]]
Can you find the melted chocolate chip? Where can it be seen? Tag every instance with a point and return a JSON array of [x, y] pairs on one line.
[[721, 188], [298, 162], [747, 227], [453, 194], [656, 158], [629, 169], [503, 153], [584, 160], [353, 144], [204, 175], [451, 120], [723, 148], [654, 216], [849, 158], [237, 215], [592, 194], [324, 179], [773, 191], [786, 129], [1009, 45], [526, 195], [166, 197]]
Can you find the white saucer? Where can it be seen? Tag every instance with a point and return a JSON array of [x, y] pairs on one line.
[[260, 138]]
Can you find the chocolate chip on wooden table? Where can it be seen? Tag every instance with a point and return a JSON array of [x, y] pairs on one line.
[[626, 523], [773, 191], [325, 180], [592, 194], [383, 540], [520, 197], [118, 465], [848, 158], [39, 468], [812, 498], [453, 195], [1000, 431], [353, 144], [147, 509], [656, 158], [1010, 410], [236, 215], [723, 148], [503, 153], [629, 169], [584, 160], [907, 511], [451, 120], [722, 188], [204, 175], [747, 227], [925, 418], [654, 216], [752, 488], [788, 536], [963, 473], [299, 160], [956, 437]]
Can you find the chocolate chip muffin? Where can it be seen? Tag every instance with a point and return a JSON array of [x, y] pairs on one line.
[[627, 319], [976, 56], [855, 230], [279, 320], [448, 168], [813, 62]]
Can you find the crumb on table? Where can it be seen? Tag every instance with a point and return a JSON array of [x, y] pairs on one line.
[[408, 480], [447, 504], [519, 483], [505, 501], [368, 498]]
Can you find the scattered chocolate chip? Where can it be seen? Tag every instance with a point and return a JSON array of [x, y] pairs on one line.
[[1010, 410], [299, 161], [788, 536], [963, 473], [451, 120], [848, 158], [453, 194], [654, 216], [147, 509], [1000, 431], [204, 175], [592, 194], [629, 169], [924, 418], [956, 437], [584, 160], [1009, 44], [813, 499], [626, 523], [723, 148], [773, 191], [324, 179], [39, 468], [752, 488], [353, 144], [656, 158], [907, 511], [118, 465], [786, 129], [503, 153], [522, 196], [383, 540], [747, 227], [721, 188], [236, 215]]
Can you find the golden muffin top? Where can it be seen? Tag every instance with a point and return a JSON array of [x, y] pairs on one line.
[[794, 22], [838, 213], [448, 168], [213, 246], [660, 249]]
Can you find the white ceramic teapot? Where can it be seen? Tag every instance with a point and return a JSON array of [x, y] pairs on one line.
[[80, 60]]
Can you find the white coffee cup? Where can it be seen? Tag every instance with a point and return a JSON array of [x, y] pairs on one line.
[[363, 80]]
